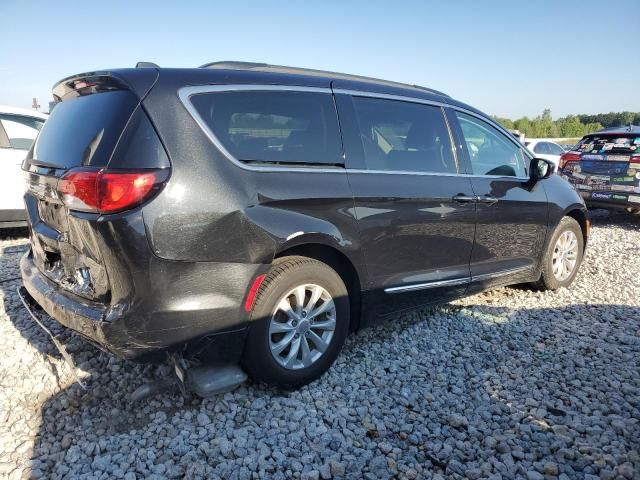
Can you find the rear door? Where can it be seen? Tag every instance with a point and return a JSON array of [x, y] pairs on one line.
[[415, 212], [512, 213]]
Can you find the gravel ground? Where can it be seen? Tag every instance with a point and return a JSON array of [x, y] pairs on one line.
[[507, 384]]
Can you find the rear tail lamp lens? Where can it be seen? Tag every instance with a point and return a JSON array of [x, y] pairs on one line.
[[107, 191], [568, 157]]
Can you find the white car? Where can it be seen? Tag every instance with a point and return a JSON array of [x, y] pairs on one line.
[[546, 149], [19, 127]]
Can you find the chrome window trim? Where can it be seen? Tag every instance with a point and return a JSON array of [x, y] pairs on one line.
[[456, 281], [185, 94], [401, 98], [386, 96], [438, 174]]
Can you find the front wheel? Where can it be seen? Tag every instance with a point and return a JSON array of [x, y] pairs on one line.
[[563, 256], [300, 319]]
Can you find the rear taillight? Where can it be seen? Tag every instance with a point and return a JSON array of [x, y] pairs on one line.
[[106, 191], [568, 157]]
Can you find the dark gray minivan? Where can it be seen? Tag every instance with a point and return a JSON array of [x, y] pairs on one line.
[[252, 215]]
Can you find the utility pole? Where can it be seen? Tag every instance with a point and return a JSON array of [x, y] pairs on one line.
[[35, 105]]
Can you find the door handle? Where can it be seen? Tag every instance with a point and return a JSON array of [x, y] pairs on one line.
[[460, 198], [487, 199]]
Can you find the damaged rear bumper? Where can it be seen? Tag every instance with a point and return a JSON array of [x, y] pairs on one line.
[[147, 330]]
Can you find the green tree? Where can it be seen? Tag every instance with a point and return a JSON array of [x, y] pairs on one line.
[[505, 122], [571, 126], [524, 125], [627, 118]]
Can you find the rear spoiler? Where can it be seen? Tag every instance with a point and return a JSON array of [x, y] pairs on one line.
[[137, 80]]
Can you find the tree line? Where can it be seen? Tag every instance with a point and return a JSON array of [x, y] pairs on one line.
[[571, 126]]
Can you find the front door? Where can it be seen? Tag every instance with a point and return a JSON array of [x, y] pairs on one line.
[[511, 212], [415, 213]]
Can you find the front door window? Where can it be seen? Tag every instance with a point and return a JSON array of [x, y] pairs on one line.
[[490, 152]]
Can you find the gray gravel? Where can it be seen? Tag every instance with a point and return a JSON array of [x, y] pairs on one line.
[[507, 384]]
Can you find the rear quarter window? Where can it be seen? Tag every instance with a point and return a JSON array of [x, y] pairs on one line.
[[274, 127]]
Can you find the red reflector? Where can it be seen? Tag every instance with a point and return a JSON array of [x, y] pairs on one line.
[[251, 296], [568, 157], [107, 191]]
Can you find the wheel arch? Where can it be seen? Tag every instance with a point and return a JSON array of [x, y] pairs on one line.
[[579, 215], [341, 263]]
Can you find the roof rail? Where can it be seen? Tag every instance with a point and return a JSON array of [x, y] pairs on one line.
[[234, 65], [432, 90], [146, 65], [239, 65]]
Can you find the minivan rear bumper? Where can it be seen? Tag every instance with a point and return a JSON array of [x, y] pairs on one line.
[[214, 326]]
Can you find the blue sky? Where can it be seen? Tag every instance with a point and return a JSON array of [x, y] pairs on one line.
[[507, 58]]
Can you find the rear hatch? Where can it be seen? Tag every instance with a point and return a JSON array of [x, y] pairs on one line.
[[98, 126], [605, 167]]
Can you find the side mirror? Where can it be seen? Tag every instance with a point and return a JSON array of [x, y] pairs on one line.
[[540, 168]]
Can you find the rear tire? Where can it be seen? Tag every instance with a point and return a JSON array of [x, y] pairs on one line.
[[288, 344], [563, 256]]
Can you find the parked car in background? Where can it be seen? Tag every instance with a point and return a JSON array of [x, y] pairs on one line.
[[566, 147], [546, 149], [253, 214], [605, 167], [18, 129]]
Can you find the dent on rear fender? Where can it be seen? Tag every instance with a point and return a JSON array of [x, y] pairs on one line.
[[252, 235], [289, 227], [209, 237]]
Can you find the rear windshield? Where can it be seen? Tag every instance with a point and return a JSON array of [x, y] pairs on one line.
[[272, 126], [83, 131], [609, 144]]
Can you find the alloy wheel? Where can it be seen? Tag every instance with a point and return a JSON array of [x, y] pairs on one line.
[[565, 255], [302, 326]]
